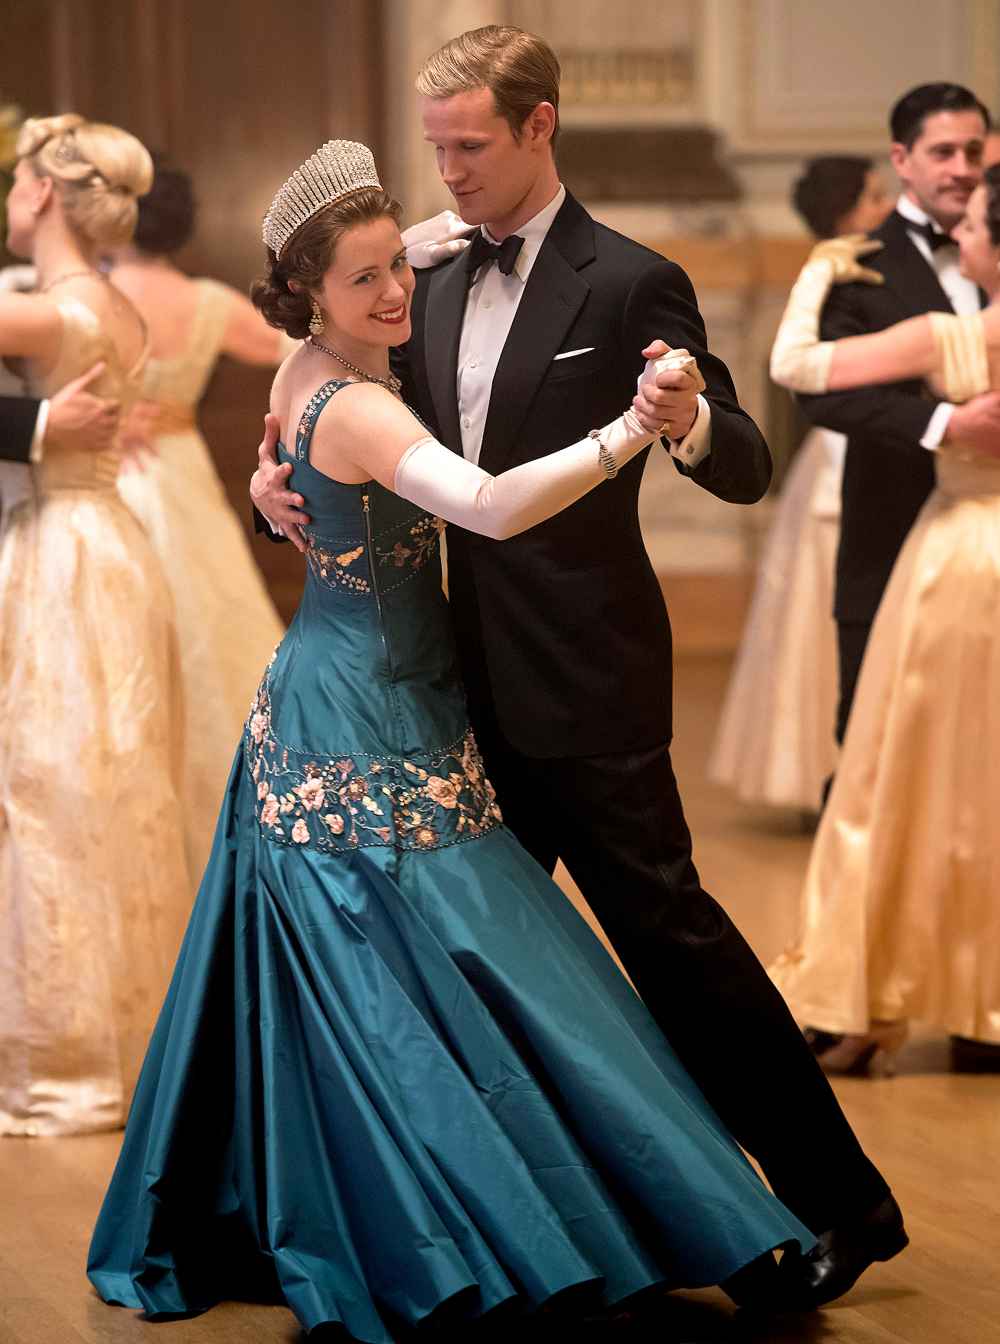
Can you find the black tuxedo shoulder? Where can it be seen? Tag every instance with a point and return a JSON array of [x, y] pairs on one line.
[[619, 261], [610, 245]]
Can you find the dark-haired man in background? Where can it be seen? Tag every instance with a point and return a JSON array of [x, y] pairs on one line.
[[938, 135], [938, 132]]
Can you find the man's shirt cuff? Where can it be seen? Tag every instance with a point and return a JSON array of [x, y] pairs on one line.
[[697, 442], [38, 438], [937, 426]]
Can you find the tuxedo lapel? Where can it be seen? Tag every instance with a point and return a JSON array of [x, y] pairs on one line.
[[553, 296], [443, 317], [907, 273]]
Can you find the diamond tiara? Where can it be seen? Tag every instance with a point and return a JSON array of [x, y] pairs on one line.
[[337, 169]]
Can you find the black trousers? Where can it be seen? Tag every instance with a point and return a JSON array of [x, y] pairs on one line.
[[852, 640], [618, 825]]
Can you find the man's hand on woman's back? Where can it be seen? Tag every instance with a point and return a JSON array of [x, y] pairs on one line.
[[281, 507]]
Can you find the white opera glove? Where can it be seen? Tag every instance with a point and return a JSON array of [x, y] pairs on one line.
[[448, 486], [799, 359], [435, 240]]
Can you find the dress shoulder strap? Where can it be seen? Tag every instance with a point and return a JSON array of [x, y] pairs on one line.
[[307, 421]]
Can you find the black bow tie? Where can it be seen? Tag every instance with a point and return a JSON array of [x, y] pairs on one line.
[[481, 252], [935, 238]]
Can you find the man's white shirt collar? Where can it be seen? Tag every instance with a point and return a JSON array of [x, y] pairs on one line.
[[533, 232], [914, 215]]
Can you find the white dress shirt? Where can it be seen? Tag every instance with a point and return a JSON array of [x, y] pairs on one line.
[[962, 293], [489, 314]]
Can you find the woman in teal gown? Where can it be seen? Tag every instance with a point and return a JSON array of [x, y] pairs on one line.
[[395, 1071]]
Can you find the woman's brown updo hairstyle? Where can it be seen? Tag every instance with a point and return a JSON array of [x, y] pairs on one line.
[[99, 172], [167, 212], [307, 256], [991, 181]]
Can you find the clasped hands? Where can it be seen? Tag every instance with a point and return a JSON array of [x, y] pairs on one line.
[[666, 401]]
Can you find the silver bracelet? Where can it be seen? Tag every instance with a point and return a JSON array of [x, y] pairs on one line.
[[604, 455]]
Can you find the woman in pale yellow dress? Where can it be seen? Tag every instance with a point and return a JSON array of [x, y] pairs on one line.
[[226, 622], [775, 740], [94, 889], [902, 896]]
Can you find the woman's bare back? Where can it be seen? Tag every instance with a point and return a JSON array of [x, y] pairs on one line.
[[167, 298]]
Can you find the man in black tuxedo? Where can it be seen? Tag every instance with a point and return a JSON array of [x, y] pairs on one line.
[[938, 131], [520, 345]]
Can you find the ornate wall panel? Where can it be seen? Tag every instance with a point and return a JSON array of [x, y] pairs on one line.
[[637, 66], [807, 77]]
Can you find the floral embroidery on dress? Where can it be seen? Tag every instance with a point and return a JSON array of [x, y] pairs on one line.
[[333, 567], [423, 537], [340, 803]]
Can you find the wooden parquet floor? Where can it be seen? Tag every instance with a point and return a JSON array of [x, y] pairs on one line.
[[936, 1136]]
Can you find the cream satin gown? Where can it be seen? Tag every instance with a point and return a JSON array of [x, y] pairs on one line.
[[94, 889], [227, 624], [775, 742], [902, 895]]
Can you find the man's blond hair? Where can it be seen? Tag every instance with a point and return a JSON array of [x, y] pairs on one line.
[[520, 70]]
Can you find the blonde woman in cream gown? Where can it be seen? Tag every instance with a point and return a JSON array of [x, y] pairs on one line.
[[227, 624], [94, 889], [901, 909]]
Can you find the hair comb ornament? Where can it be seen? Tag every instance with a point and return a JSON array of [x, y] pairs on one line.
[[337, 169]]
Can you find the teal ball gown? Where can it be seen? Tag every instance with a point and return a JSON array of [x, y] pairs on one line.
[[395, 1069]]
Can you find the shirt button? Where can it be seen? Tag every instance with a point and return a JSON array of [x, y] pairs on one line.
[[487, 303], [473, 363], [466, 423]]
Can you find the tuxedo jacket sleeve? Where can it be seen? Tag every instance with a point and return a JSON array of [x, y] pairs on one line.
[[896, 415], [662, 305], [18, 418]]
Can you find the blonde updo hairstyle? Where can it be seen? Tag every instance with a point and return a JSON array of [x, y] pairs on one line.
[[99, 172]]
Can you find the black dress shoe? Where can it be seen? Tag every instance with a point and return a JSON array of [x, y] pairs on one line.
[[841, 1256], [969, 1056]]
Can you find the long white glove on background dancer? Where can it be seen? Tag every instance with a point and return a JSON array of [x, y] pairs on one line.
[[799, 359], [438, 480]]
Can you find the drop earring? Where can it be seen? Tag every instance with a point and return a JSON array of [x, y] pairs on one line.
[[316, 323]]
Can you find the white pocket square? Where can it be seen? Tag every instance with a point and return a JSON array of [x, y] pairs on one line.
[[568, 354]]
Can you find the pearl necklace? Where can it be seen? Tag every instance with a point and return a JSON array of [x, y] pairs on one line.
[[391, 384]]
